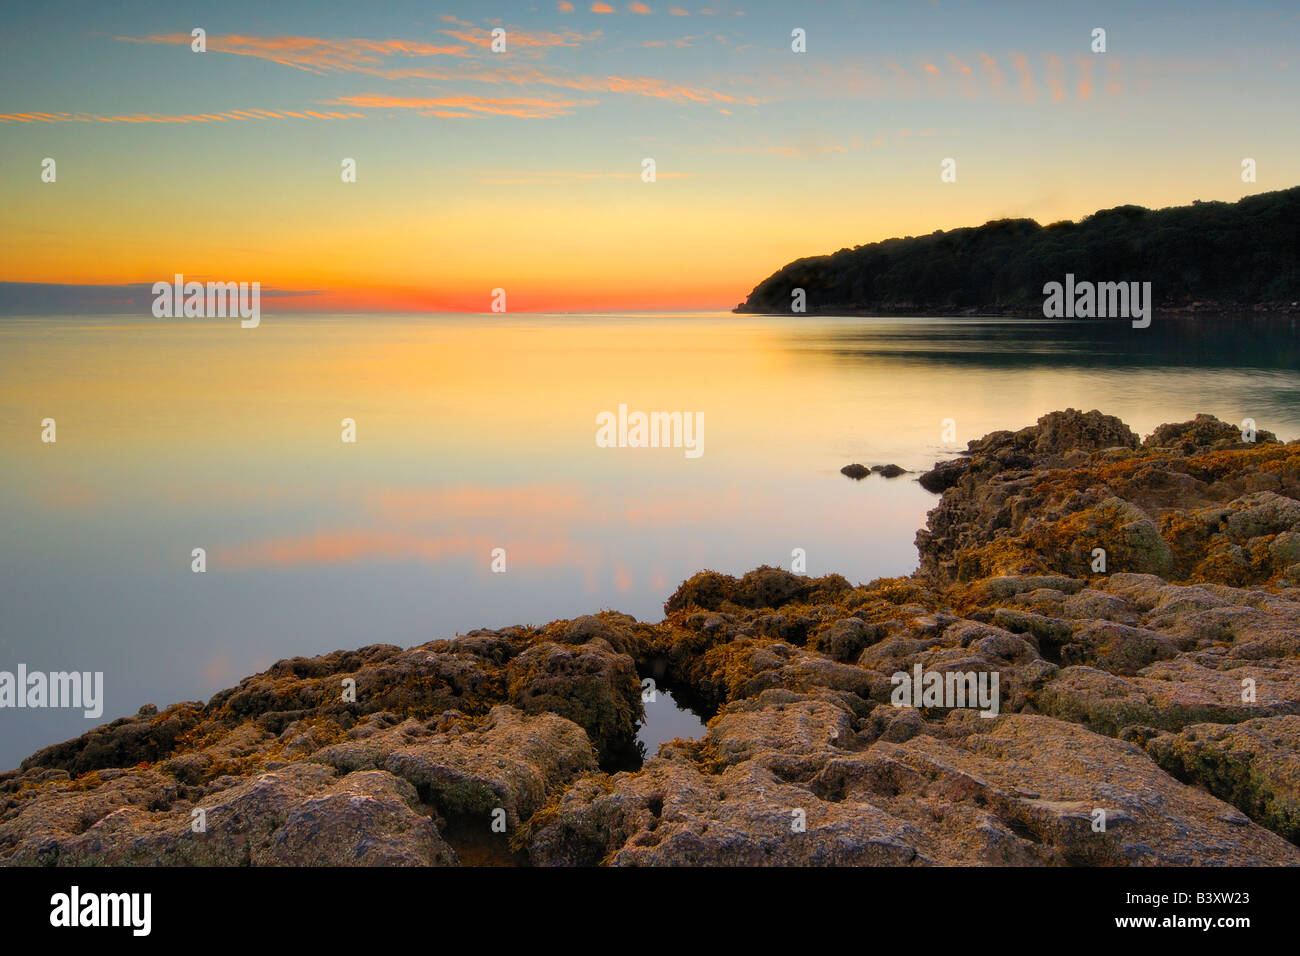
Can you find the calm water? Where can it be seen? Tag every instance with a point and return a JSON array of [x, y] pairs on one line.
[[667, 719], [475, 433]]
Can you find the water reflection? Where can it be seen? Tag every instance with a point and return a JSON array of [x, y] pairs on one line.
[[477, 433], [665, 720]]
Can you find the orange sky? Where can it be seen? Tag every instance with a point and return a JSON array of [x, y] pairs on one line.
[[522, 170]]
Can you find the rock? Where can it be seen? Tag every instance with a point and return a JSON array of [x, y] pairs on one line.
[[844, 640], [944, 475], [1169, 695], [616, 630], [1056, 498], [1117, 648], [888, 471], [301, 816], [670, 814], [1071, 430], [1254, 765], [1025, 792], [366, 819], [1202, 433], [764, 587], [855, 471], [591, 684], [120, 743], [512, 762]]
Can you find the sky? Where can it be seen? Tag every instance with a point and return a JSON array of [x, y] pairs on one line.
[[523, 169]]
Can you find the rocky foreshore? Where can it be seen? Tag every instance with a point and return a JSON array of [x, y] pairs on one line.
[[1147, 699]]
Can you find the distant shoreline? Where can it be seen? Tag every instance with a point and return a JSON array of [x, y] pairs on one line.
[[1203, 309], [1207, 256]]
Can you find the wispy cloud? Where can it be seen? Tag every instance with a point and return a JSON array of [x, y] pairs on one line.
[[322, 54], [174, 117], [937, 78], [1055, 77], [519, 38], [523, 107], [1084, 62], [611, 83], [994, 72], [314, 54], [1028, 92], [376, 58]]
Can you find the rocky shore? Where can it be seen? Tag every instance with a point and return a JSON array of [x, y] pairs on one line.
[[1148, 702]]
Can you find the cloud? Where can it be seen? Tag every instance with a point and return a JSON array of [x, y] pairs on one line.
[[640, 8], [173, 118], [678, 12], [996, 78], [1028, 92], [374, 58], [1055, 77], [601, 8], [610, 83], [523, 107], [1114, 78], [320, 55], [564, 6], [1085, 77], [1063, 78], [518, 38], [966, 82], [313, 54]]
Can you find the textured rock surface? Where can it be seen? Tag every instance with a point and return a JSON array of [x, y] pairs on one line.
[[1161, 696]]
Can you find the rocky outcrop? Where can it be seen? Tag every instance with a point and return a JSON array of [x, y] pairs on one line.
[[1194, 502], [1254, 765], [1144, 714]]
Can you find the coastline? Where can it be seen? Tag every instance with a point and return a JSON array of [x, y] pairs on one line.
[[1196, 309], [1123, 690]]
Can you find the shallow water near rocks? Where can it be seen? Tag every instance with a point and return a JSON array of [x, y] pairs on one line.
[[665, 720]]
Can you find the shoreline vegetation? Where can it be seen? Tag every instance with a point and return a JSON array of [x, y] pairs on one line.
[[1209, 257], [1147, 712]]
